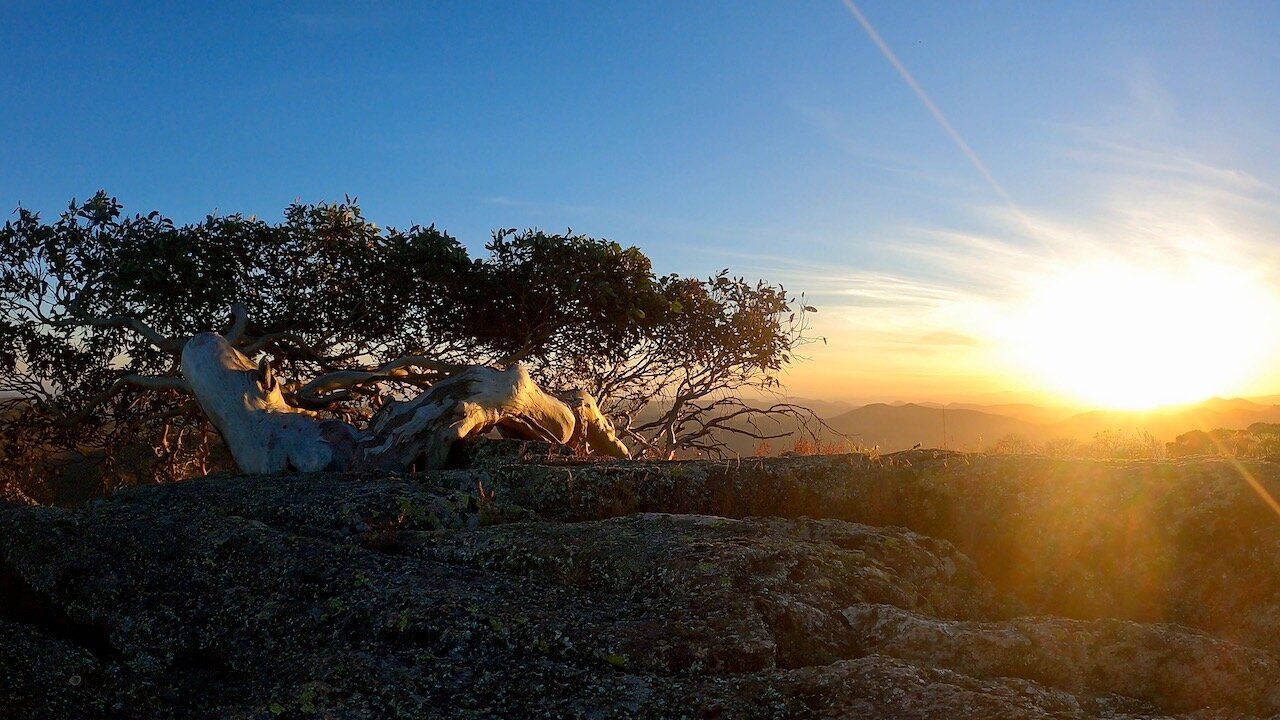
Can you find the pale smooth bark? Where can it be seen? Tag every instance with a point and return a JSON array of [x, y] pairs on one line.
[[263, 432], [266, 434]]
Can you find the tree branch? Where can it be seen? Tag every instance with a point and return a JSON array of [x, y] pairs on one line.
[[169, 345], [149, 382], [239, 321], [330, 388]]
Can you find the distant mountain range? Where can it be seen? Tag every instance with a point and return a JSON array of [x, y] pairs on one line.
[[897, 427], [964, 426], [970, 426]]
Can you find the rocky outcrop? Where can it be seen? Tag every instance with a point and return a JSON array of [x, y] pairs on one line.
[[913, 586], [1191, 541]]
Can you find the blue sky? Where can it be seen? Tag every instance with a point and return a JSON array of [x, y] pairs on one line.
[[771, 138]]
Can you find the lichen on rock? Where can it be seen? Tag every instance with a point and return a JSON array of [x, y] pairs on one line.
[[912, 586]]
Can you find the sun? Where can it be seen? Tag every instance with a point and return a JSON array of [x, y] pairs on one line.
[[1122, 335]]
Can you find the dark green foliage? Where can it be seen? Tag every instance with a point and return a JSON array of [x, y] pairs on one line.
[[97, 294]]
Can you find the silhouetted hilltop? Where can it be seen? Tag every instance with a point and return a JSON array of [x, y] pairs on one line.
[[895, 427], [891, 427], [1168, 423]]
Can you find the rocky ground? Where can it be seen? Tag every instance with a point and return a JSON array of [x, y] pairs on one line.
[[919, 585]]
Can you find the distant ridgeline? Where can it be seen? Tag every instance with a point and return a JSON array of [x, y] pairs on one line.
[[1257, 440]]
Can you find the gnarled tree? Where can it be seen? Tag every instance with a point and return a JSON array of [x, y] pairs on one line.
[[358, 335]]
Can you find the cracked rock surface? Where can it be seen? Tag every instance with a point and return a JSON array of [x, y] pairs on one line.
[[923, 585]]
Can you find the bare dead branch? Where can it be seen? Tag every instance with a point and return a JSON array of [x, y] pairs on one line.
[[149, 382], [169, 345]]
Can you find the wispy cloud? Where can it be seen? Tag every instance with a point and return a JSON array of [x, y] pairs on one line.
[[883, 290], [941, 305], [947, 338], [535, 207], [1170, 164]]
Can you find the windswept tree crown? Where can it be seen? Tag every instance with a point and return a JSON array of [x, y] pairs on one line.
[[96, 305]]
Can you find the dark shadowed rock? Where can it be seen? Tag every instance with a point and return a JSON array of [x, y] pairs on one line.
[[652, 590]]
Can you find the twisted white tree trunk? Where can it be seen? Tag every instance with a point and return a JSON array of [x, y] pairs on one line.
[[264, 433], [268, 435]]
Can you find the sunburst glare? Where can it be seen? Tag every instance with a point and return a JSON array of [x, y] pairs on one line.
[[1124, 335]]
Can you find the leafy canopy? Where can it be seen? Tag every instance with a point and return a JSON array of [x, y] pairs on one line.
[[97, 295]]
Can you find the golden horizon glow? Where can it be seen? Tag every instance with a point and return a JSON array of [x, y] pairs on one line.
[[1127, 336]]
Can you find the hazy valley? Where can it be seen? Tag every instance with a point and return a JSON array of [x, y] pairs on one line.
[[974, 427]]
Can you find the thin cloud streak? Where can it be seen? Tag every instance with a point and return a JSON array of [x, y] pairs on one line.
[[1167, 214], [930, 106], [840, 285]]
